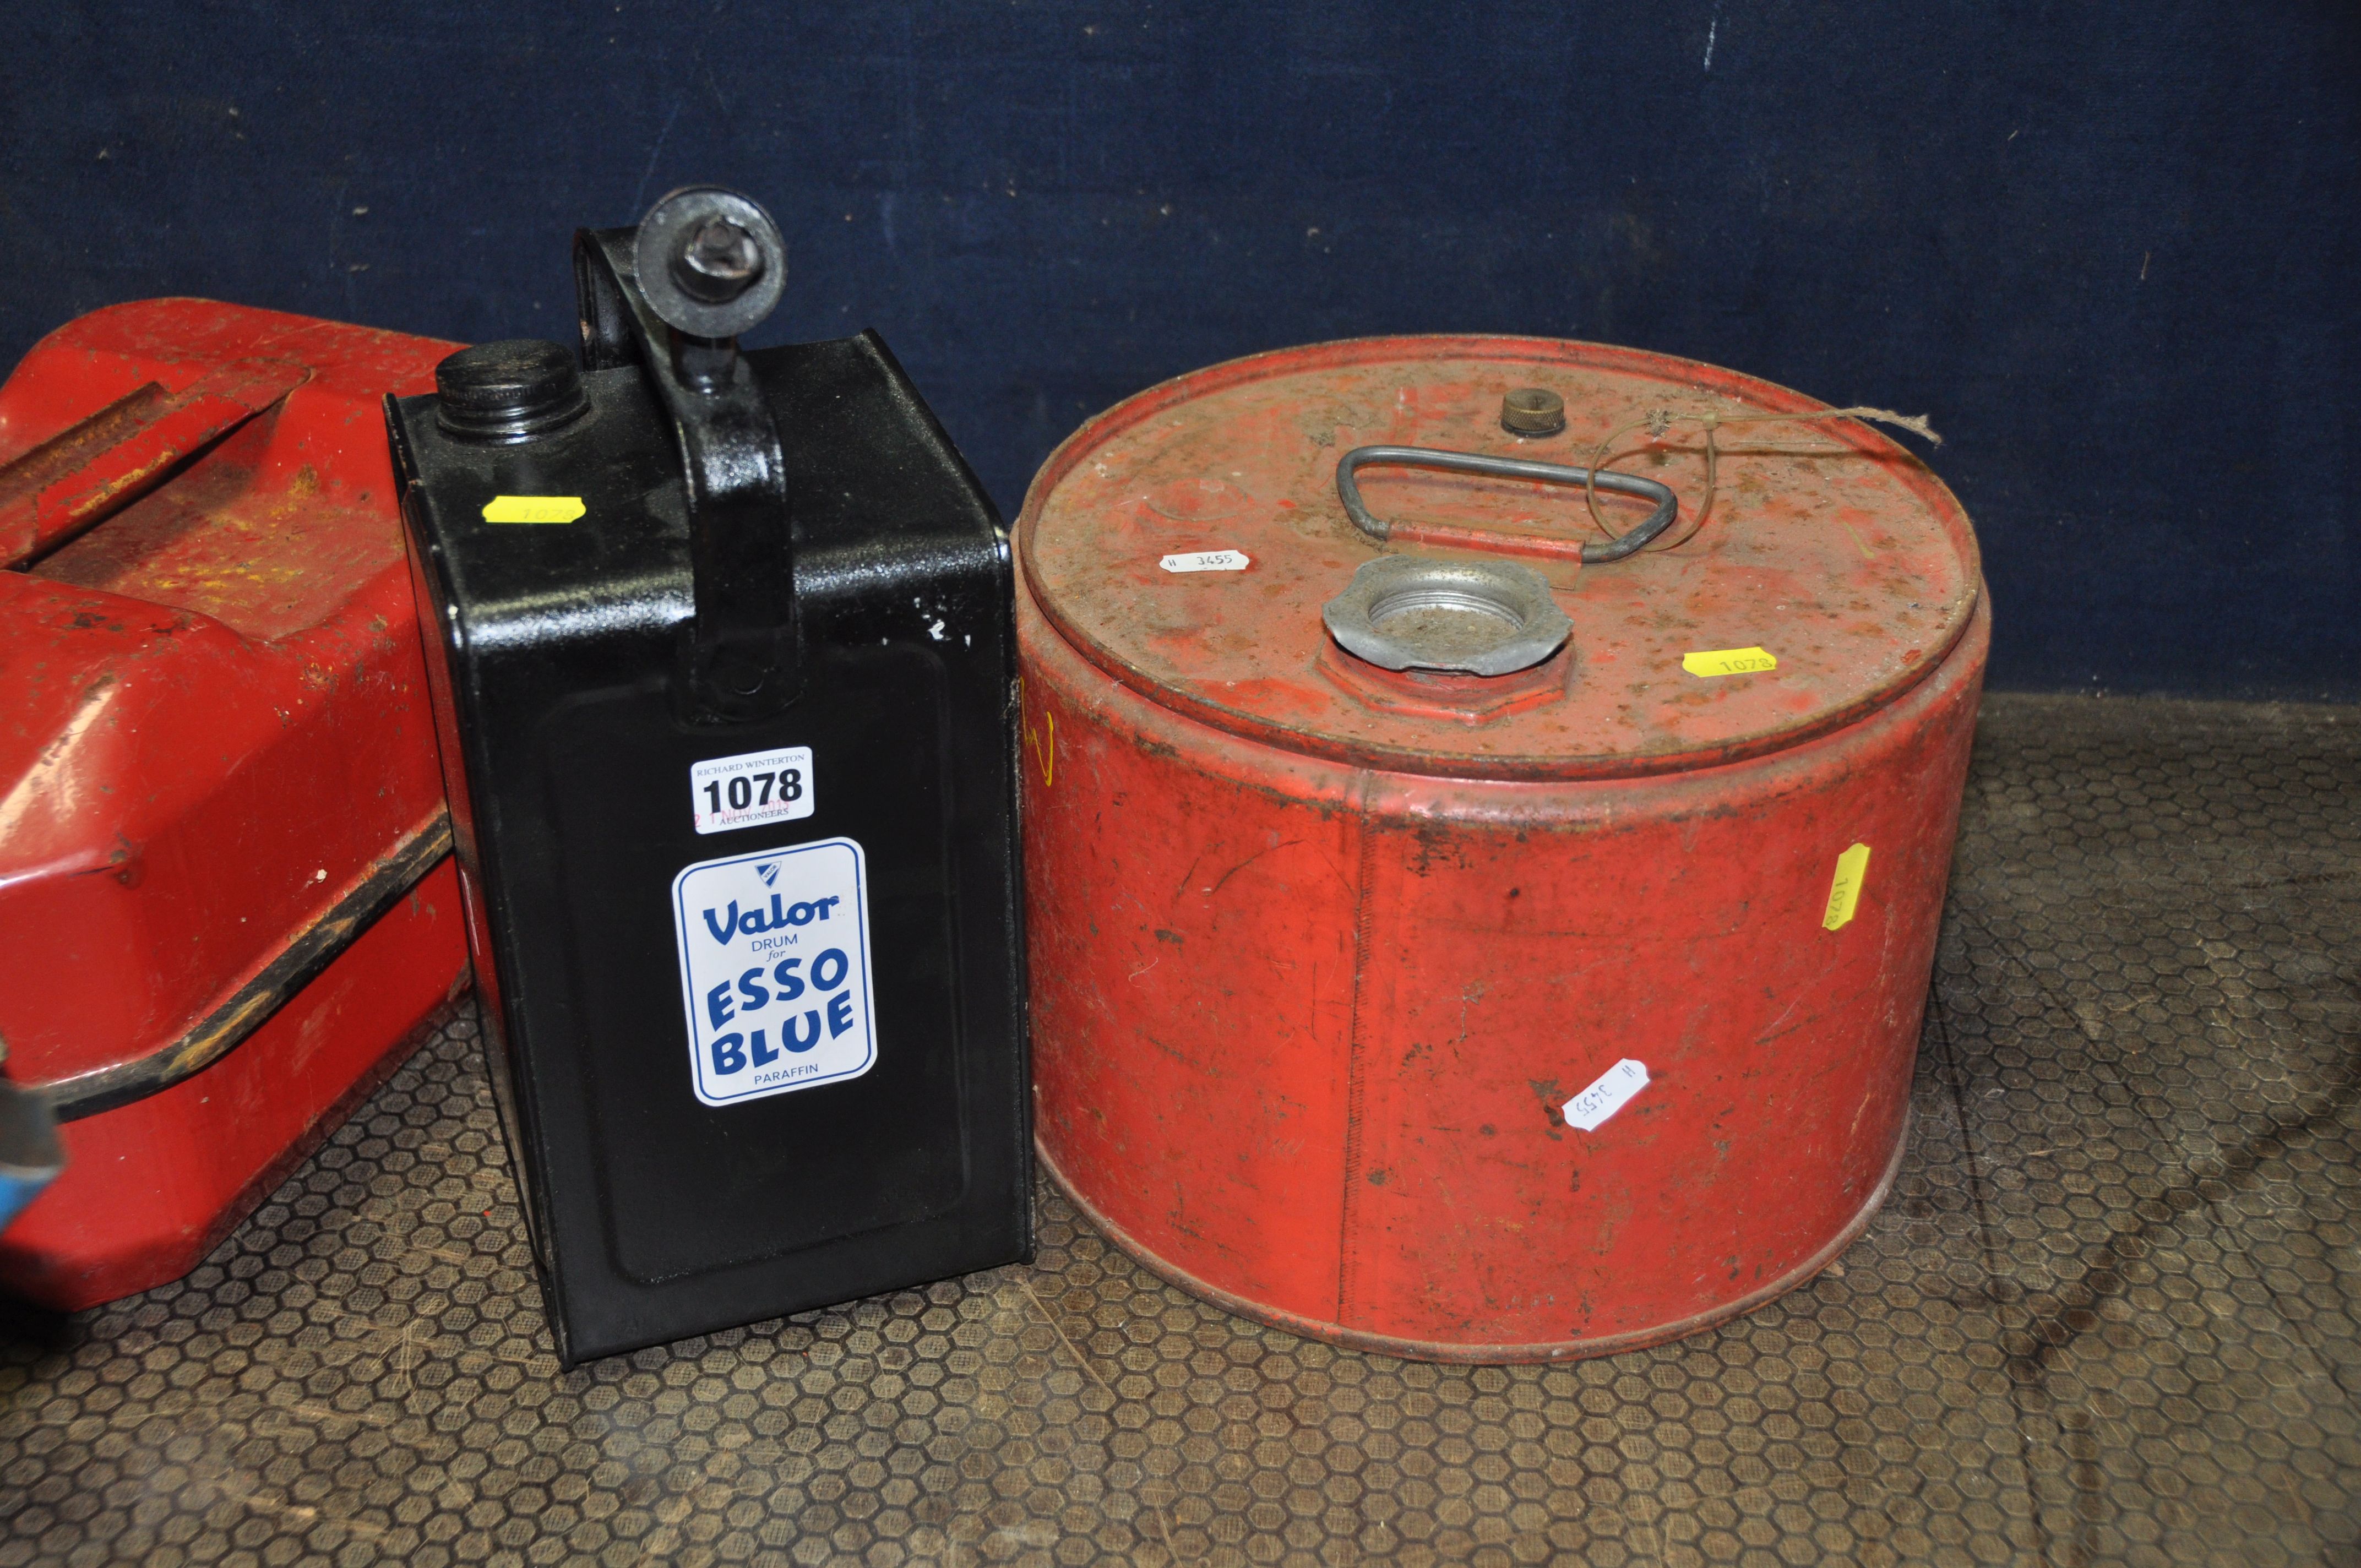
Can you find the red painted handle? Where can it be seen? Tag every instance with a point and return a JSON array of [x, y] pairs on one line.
[[90, 470]]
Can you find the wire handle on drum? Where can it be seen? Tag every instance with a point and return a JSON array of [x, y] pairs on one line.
[[1615, 549]]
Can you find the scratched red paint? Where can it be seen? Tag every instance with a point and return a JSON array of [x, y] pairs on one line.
[[1317, 956], [212, 725]]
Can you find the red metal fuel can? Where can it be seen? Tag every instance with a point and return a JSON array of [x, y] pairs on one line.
[[226, 903], [1538, 1009]]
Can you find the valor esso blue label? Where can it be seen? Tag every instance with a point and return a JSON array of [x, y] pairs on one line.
[[775, 971]]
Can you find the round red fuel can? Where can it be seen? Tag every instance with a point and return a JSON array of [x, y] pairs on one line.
[[1540, 1010]]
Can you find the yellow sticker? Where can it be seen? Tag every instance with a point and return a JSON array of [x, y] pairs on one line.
[[1729, 662], [532, 508], [1844, 893]]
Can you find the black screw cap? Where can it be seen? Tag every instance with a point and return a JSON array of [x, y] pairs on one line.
[[511, 390], [1532, 411]]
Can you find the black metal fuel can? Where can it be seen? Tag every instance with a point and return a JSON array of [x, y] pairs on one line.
[[726, 694]]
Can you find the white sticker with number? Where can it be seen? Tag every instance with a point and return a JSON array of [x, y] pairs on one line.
[[1207, 560], [749, 790], [1614, 1090]]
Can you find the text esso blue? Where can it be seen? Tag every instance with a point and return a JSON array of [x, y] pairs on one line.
[[775, 971]]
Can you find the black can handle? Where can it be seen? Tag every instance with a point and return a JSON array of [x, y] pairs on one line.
[[670, 296], [1667, 504]]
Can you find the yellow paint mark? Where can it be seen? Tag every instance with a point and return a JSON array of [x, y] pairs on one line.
[[1866, 553], [1844, 893], [534, 509], [1729, 662], [1047, 753]]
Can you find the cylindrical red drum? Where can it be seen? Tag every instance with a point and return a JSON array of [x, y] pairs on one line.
[[1553, 993]]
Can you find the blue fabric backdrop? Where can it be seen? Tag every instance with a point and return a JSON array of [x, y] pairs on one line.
[[2111, 250]]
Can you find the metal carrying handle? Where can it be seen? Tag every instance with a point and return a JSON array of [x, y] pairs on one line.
[[1667, 504], [669, 295]]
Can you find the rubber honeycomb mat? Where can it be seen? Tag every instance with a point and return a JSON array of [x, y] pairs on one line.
[[2108, 1316]]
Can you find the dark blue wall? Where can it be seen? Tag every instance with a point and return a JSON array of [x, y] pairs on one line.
[[2111, 250]]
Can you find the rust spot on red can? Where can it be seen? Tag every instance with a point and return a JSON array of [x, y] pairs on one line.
[[1311, 938]]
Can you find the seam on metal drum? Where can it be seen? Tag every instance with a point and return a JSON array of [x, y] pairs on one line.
[[1356, 1083]]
